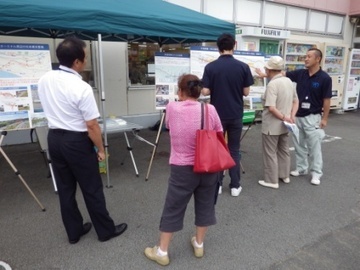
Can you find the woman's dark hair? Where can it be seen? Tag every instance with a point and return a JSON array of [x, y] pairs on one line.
[[225, 42], [190, 84], [70, 49]]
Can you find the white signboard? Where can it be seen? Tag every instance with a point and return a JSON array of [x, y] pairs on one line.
[[201, 56], [21, 66], [254, 60], [168, 68]]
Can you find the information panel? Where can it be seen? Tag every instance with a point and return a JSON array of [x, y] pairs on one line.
[[168, 68], [200, 56], [21, 66]]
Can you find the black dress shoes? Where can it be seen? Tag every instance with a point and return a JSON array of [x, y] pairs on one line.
[[119, 229], [86, 228]]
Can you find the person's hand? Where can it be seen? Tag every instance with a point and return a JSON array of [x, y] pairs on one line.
[[323, 123], [260, 73], [293, 118], [289, 120], [101, 155]]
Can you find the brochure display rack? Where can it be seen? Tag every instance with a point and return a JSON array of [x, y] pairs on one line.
[[334, 65], [295, 54]]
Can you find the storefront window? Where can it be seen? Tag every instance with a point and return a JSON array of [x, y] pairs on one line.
[[141, 63], [357, 33]]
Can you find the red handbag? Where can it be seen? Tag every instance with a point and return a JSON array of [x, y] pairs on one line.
[[211, 151]]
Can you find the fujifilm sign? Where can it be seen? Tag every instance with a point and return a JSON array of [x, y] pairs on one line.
[[268, 32], [262, 32]]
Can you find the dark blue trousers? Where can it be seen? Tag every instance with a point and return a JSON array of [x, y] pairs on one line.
[[75, 162], [233, 129]]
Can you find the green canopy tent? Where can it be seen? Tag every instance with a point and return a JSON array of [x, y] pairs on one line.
[[154, 21], [123, 20]]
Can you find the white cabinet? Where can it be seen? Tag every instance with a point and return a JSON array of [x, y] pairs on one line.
[[352, 83]]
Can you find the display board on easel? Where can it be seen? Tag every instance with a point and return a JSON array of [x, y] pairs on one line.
[[254, 60], [200, 56], [21, 66], [168, 68]]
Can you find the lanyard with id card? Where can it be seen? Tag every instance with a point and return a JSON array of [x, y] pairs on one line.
[[305, 104]]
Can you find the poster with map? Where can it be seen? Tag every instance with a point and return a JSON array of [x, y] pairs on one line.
[[254, 60], [168, 68], [200, 57], [21, 66]]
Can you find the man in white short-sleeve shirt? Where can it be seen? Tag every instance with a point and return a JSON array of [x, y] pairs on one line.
[[72, 113]]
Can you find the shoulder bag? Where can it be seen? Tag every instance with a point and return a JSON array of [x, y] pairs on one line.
[[211, 151]]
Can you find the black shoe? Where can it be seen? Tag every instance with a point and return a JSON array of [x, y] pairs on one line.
[[86, 228], [119, 229]]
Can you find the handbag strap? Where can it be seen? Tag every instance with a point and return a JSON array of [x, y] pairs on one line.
[[204, 111], [202, 115], [207, 116]]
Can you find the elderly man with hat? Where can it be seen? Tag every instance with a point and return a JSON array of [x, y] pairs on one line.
[[280, 104]]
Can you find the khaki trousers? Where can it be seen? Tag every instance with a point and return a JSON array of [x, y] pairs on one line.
[[276, 157]]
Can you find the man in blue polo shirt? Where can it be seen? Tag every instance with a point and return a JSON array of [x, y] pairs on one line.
[[314, 87], [228, 80]]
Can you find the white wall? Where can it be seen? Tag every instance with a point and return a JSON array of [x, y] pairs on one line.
[[115, 82], [347, 39]]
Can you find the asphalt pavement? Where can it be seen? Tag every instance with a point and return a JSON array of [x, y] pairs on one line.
[[298, 226]]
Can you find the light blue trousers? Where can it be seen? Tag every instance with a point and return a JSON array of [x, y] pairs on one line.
[[308, 149]]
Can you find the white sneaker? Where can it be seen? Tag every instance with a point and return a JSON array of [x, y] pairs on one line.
[[236, 191], [315, 181], [220, 190], [298, 173], [286, 180], [151, 253], [266, 184], [198, 252]]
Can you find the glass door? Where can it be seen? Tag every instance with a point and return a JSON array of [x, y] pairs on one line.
[[269, 46]]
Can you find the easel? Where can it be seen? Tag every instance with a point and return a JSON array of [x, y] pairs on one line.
[[243, 135], [135, 132], [155, 144], [251, 124], [3, 134], [41, 133]]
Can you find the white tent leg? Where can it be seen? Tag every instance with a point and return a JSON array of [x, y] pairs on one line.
[[102, 102]]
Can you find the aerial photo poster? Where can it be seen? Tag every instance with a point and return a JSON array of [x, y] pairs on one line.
[[21, 66], [200, 56]]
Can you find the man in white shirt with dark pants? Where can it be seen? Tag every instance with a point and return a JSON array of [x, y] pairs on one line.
[[72, 113]]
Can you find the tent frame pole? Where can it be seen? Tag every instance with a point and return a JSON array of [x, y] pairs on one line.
[[102, 103]]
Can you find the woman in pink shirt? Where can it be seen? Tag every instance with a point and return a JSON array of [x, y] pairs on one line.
[[183, 118]]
